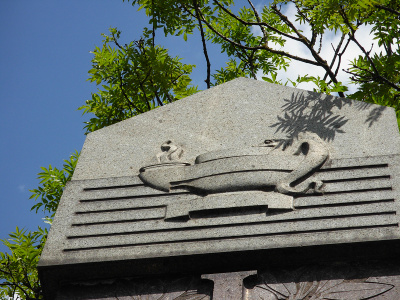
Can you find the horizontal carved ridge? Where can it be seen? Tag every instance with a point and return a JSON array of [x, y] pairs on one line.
[[232, 237]]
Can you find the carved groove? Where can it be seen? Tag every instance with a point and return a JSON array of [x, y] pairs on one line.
[[297, 215], [106, 182], [357, 191], [143, 214], [333, 169], [385, 193], [193, 228], [355, 197], [118, 209], [118, 221], [345, 204], [231, 237], [356, 179], [134, 197], [113, 187]]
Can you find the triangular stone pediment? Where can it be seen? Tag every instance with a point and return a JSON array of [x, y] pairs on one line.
[[238, 114]]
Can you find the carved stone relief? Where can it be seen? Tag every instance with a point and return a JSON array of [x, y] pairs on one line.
[[316, 283], [169, 152], [273, 171]]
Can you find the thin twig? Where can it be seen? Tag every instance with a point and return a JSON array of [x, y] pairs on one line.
[[250, 61], [228, 39], [335, 54], [285, 19], [313, 33], [340, 56], [258, 20], [320, 44], [319, 60], [154, 25]]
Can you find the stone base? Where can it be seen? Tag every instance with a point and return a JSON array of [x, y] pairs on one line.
[[376, 280]]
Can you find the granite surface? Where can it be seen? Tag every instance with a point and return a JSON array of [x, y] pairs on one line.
[[243, 175], [238, 114]]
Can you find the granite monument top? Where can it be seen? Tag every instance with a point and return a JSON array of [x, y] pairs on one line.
[[243, 168], [239, 114]]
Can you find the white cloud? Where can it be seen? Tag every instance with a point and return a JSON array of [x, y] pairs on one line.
[[21, 188], [330, 38]]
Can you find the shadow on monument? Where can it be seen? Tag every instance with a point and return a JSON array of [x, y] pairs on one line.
[[182, 288], [306, 112]]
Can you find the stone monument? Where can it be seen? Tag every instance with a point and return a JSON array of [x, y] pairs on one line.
[[247, 190]]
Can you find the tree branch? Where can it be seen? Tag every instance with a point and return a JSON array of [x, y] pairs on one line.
[[320, 44], [376, 74], [208, 81], [262, 47], [259, 21], [255, 23], [116, 42], [285, 19], [319, 61], [340, 56], [14, 283], [388, 9], [313, 33], [154, 25], [228, 39], [126, 96], [158, 99], [335, 54]]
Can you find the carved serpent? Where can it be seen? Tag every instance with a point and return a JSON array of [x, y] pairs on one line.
[[316, 153]]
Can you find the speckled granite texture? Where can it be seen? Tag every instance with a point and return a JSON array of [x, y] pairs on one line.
[[244, 176]]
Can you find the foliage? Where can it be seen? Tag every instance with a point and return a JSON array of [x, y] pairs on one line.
[[378, 75], [18, 274], [52, 184], [254, 38], [137, 77]]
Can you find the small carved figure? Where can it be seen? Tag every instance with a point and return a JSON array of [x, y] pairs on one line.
[[170, 152]]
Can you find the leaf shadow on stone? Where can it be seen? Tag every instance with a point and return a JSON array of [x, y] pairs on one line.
[[374, 115], [307, 112]]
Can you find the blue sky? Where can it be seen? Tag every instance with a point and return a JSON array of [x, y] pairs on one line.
[[44, 59]]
